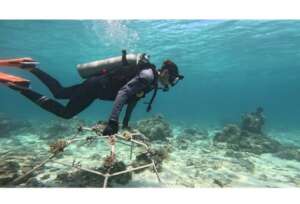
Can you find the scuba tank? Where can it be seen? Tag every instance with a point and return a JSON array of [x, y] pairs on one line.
[[127, 64], [110, 65]]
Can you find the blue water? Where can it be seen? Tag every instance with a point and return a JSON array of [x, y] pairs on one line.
[[230, 67]]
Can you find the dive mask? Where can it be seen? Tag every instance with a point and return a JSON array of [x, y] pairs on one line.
[[174, 79]]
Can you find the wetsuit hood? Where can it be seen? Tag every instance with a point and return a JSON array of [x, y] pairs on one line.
[[172, 68]]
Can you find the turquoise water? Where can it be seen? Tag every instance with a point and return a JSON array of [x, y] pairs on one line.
[[230, 67]]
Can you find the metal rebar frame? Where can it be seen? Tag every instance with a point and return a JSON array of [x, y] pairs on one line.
[[112, 140]]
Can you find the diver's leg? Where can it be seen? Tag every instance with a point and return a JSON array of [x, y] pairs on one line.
[[66, 92], [77, 104], [81, 99], [54, 86], [92, 86]]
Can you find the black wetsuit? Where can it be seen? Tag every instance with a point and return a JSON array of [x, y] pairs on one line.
[[98, 87]]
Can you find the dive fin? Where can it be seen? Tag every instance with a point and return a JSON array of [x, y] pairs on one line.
[[15, 61], [15, 80]]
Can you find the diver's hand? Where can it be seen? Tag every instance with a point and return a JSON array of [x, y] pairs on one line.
[[111, 128]]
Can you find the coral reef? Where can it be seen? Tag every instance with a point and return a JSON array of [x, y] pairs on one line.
[[188, 136], [122, 178], [289, 154], [248, 137], [5, 126], [158, 155], [80, 178], [242, 140], [8, 172], [253, 122], [155, 128], [193, 134], [58, 146], [33, 183], [57, 129], [134, 134], [9, 125]]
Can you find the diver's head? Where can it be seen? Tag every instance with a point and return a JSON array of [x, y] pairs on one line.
[[169, 75], [259, 110]]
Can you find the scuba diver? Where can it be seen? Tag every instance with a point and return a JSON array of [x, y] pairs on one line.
[[124, 79]]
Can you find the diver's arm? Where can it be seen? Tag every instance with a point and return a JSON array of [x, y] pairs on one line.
[[133, 87], [131, 105], [127, 92]]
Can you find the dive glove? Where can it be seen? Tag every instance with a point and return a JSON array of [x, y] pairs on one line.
[[111, 128]]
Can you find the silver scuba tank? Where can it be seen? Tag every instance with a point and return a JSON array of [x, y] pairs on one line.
[[109, 65]]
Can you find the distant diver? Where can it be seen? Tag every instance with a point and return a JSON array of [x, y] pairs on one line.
[[124, 79]]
